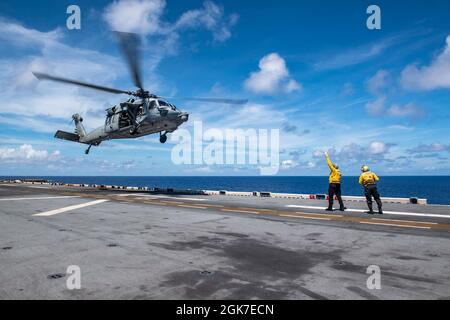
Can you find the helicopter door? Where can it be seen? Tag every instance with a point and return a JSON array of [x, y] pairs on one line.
[[112, 123]]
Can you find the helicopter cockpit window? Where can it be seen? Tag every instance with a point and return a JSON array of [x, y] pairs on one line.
[[173, 107], [163, 103], [152, 104]]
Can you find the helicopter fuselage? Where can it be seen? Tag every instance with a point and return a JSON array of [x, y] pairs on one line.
[[132, 119]]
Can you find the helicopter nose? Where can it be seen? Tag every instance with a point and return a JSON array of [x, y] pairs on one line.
[[184, 117]]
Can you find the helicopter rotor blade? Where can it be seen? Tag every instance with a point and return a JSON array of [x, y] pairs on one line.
[[43, 76], [130, 45], [214, 100]]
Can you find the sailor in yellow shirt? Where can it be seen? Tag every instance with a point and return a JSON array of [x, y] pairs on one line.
[[335, 185], [369, 180]]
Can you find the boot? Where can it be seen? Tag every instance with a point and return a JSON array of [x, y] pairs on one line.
[[380, 205], [329, 209], [370, 209], [342, 208]]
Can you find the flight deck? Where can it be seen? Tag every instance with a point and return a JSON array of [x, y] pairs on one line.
[[158, 245]]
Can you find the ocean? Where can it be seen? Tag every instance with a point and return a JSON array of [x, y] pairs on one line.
[[434, 188]]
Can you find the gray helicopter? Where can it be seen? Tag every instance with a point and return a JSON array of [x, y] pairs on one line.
[[142, 114]]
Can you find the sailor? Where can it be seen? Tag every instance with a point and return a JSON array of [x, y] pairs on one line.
[[335, 185], [369, 180]]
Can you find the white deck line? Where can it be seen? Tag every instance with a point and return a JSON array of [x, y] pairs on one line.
[[70, 208], [394, 225], [37, 198], [156, 196], [412, 214], [239, 211], [303, 217]]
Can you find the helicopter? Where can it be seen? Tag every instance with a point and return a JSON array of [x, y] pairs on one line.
[[144, 113]]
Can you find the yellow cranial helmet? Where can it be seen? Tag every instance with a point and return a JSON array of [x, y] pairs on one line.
[[335, 165], [364, 168]]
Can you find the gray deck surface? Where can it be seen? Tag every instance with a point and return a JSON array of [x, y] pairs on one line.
[[141, 246]]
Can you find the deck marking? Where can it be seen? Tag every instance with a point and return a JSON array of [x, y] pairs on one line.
[[36, 187], [155, 196], [322, 214], [251, 209], [70, 208], [212, 205], [172, 202], [240, 211], [394, 225], [303, 217], [187, 206], [407, 221], [38, 198], [156, 203], [189, 199], [414, 214], [145, 198]]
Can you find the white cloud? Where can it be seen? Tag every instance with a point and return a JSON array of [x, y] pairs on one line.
[[377, 82], [272, 77], [26, 153], [292, 85], [409, 110], [19, 35], [376, 108], [139, 16], [358, 55], [377, 147], [146, 17], [434, 76], [202, 170], [429, 148], [355, 153], [211, 17], [288, 164], [355, 55]]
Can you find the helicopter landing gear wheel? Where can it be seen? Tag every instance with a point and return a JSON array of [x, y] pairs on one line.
[[163, 138]]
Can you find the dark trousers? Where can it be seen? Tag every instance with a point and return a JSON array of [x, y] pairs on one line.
[[334, 189], [372, 191]]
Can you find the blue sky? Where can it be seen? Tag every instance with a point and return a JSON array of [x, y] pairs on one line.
[[310, 69]]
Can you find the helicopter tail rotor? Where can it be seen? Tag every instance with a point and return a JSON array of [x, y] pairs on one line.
[[79, 128]]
